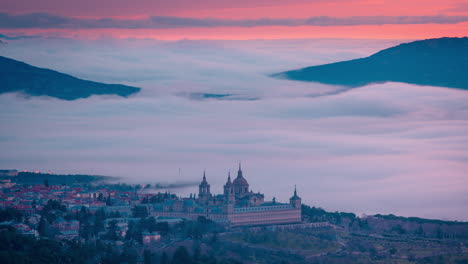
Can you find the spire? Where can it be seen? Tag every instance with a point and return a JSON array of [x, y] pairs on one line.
[[239, 172], [228, 183], [295, 196], [204, 182]]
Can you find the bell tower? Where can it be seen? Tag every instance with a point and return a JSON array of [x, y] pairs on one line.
[[229, 190], [204, 189], [295, 200], [229, 196]]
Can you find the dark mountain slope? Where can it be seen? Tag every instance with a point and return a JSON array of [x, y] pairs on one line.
[[16, 76], [436, 62]]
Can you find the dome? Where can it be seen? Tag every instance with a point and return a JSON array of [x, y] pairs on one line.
[[240, 181]]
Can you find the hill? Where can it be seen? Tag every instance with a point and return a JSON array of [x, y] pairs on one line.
[[388, 224], [16, 76], [435, 62]]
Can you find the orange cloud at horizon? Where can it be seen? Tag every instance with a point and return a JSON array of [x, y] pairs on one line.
[[412, 31]]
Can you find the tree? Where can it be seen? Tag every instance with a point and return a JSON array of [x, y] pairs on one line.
[[99, 218], [181, 256], [214, 238], [129, 254], [115, 214], [112, 231], [420, 231], [162, 227], [130, 231], [148, 223], [10, 213], [108, 201], [196, 251], [46, 182], [164, 258], [399, 229], [439, 233], [147, 257], [364, 224], [53, 209], [140, 211], [85, 230], [83, 215], [134, 232], [42, 227], [159, 197]]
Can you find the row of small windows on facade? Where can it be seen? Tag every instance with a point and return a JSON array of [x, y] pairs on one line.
[[269, 216], [264, 220], [237, 216], [250, 209]]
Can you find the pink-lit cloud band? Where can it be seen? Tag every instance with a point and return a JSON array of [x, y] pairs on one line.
[[44, 20], [209, 19]]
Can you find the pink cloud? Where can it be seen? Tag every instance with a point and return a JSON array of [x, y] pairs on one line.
[[260, 11]]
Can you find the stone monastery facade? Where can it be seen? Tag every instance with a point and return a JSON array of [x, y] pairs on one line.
[[237, 206]]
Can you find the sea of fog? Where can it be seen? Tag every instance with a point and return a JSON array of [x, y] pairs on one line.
[[383, 148]]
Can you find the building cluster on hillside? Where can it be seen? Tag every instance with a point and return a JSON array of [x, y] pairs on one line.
[[236, 206], [9, 173], [31, 199]]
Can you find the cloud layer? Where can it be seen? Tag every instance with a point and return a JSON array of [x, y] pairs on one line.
[[387, 148], [50, 21]]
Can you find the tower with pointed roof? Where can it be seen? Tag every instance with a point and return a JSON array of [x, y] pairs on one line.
[[204, 189], [241, 186], [229, 195], [295, 200]]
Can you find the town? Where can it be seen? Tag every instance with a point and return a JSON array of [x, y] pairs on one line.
[[237, 206], [89, 219]]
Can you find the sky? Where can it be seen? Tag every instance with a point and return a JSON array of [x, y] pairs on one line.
[[243, 19], [382, 148]]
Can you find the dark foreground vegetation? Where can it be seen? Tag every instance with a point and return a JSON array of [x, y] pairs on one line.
[[344, 238], [18, 249]]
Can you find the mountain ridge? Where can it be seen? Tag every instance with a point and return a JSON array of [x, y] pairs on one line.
[[17, 76], [434, 62]]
